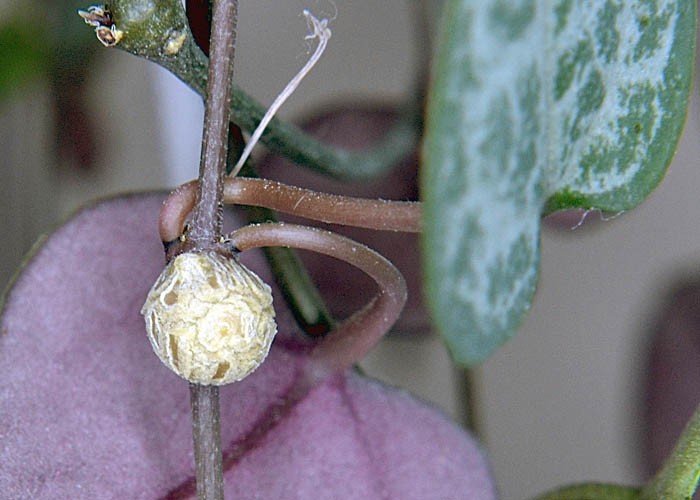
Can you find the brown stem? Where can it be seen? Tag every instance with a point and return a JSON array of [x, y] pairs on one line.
[[343, 346], [351, 340], [333, 209], [207, 218], [207, 441], [206, 230]]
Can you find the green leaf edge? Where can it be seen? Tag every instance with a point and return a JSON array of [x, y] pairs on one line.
[[664, 148], [616, 200], [592, 491], [464, 353]]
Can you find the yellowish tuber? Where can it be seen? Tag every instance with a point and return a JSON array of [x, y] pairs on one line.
[[209, 318]]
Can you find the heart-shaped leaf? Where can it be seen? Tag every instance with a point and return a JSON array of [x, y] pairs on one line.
[[88, 411], [538, 106]]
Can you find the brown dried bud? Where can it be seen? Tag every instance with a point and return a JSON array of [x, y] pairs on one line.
[[209, 318]]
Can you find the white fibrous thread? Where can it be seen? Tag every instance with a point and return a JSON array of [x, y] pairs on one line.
[[209, 318], [319, 31]]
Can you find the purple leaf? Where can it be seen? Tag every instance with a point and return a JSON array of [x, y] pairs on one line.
[[88, 411], [672, 378]]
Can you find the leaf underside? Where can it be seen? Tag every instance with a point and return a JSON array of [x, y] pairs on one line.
[[88, 411], [535, 107]]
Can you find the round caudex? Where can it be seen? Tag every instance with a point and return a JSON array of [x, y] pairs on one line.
[[209, 318]]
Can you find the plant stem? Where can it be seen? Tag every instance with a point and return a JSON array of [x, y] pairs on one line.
[[149, 26], [592, 491], [208, 214], [349, 341], [382, 215], [207, 441], [468, 397], [300, 292], [373, 214], [206, 229], [678, 478]]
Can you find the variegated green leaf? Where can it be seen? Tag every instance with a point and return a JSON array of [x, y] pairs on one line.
[[535, 106]]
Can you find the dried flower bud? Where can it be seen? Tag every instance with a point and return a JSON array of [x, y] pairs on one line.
[[209, 318]]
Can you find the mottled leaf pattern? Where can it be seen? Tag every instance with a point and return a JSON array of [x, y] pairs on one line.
[[538, 106]]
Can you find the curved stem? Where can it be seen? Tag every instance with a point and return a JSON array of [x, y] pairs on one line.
[[305, 301], [342, 347], [382, 215], [159, 32], [289, 140], [678, 478], [299, 290], [353, 338]]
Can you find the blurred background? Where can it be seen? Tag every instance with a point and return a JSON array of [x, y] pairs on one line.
[[560, 403]]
